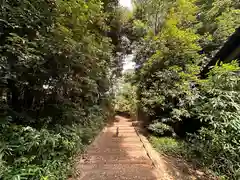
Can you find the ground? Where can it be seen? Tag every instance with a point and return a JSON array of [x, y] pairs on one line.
[[122, 152]]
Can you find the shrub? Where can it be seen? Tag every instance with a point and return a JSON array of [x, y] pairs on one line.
[[56, 69], [219, 107], [216, 144], [161, 129], [29, 153]]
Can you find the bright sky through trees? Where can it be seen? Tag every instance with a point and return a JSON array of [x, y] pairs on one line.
[[128, 63], [126, 3]]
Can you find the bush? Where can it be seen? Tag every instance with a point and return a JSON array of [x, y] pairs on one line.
[[56, 69], [216, 144], [219, 107], [29, 153], [161, 129]]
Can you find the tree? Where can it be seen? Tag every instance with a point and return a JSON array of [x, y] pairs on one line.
[[179, 39], [56, 67], [217, 21]]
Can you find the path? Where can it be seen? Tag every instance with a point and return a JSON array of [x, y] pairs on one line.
[[126, 157], [113, 157]]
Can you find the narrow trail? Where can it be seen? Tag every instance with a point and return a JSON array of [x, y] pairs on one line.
[[117, 155], [121, 152]]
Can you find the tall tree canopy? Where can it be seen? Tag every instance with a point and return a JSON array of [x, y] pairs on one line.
[[172, 41], [58, 59]]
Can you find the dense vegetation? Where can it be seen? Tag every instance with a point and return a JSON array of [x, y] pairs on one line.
[[172, 41], [58, 60], [125, 95]]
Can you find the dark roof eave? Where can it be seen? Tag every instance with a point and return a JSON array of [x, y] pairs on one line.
[[229, 51]]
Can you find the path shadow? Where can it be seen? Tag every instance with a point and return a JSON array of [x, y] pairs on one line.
[[125, 114]]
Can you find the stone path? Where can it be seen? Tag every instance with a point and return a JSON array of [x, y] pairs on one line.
[[117, 157]]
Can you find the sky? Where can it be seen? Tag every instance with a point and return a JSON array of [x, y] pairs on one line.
[[128, 63], [126, 3]]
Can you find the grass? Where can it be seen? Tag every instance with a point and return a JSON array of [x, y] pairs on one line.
[[169, 146], [176, 148], [182, 150]]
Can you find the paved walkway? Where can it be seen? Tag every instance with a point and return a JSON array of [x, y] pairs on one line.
[[117, 156]]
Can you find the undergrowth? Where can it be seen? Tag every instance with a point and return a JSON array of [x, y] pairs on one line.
[[181, 149], [57, 69], [215, 104], [44, 154], [169, 146]]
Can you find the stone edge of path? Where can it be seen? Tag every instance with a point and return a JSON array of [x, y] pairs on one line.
[[152, 154], [94, 142]]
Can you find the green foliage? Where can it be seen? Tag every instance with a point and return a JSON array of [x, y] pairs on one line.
[[166, 64], [219, 142], [125, 99], [28, 153], [160, 129], [169, 146], [181, 36], [32, 154], [218, 20], [56, 68], [59, 60]]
